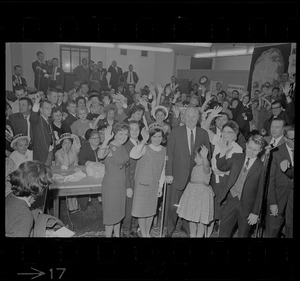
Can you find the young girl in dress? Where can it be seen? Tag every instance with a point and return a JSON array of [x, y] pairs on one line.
[[196, 203]]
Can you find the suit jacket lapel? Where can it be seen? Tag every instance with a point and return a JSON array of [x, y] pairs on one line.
[[253, 169], [236, 171]]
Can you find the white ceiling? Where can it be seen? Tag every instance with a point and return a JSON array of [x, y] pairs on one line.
[[192, 50]]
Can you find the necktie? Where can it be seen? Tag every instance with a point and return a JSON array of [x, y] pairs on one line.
[[130, 80], [192, 141], [273, 143], [20, 81], [50, 129], [246, 165], [292, 150]]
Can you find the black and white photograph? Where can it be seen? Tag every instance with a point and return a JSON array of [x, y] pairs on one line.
[[150, 140]]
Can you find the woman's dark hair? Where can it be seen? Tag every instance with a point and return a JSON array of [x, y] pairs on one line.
[[80, 98], [120, 126], [137, 108], [56, 109], [197, 151], [31, 178], [234, 99], [154, 131], [94, 94], [70, 139], [88, 134], [233, 125]]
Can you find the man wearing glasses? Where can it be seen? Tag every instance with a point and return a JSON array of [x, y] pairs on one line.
[[281, 188], [278, 112]]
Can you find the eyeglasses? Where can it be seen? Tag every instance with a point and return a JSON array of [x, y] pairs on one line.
[[276, 107], [290, 139]]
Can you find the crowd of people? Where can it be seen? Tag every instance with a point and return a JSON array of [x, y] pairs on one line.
[[224, 156]]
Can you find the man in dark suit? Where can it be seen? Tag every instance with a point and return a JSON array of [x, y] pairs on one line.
[[17, 79], [57, 78], [41, 75], [103, 74], [278, 113], [42, 133], [115, 73], [280, 186], [72, 117], [243, 191], [182, 143], [130, 76], [288, 169], [83, 72], [20, 123]]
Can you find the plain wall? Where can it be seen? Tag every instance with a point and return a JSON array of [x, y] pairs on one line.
[[232, 63], [9, 68], [163, 68]]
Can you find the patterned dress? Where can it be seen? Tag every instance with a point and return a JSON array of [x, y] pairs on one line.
[[114, 185], [196, 203], [147, 176]]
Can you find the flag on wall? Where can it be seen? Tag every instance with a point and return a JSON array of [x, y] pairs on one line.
[[267, 66]]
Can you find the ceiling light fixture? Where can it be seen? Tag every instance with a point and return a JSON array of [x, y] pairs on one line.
[[144, 48], [208, 45], [103, 45]]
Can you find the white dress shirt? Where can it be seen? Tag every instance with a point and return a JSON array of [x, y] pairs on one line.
[[275, 141], [188, 131]]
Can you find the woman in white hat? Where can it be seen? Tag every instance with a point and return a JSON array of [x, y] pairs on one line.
[[21, 152], [68, 156], [160, 114]]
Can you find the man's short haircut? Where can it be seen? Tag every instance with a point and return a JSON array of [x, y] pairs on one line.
[[55, 59], [19, 88], [70, 102], [288, 129], [110, 107], [39, 53], [259, 140], [276, 88], [29, 101], [15, 67], [276, 102], [279, 119], [44, 101]]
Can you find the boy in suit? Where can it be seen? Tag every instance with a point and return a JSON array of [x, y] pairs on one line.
[[17, 79], [243, 191]]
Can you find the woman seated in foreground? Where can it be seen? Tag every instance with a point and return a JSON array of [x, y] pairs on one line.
[[29, 181]]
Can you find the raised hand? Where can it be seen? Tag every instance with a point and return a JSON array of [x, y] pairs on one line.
[[204, 151], [224, 146], [108, 134], [145, 135], [159, 88], [215, 112], [38, 97], [168, 91], [284, 165]]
